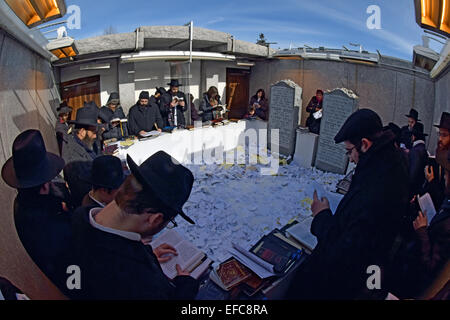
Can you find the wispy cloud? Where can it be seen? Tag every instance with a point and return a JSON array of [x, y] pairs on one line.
[[395, 41], [214, 21]]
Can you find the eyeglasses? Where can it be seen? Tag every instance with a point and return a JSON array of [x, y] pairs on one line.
[[349, 151], [171, 224], [443, 135]]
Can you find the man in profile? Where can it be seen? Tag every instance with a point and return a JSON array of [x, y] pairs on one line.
[[109, 244], [361, 232], [42, 224], [81, 149], [62, 124], [434, 173]]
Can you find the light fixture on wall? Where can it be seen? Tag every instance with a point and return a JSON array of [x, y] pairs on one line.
[[172, 56], [36, 12], [63, 48], [245, 64], [434, 15], [95, 66]]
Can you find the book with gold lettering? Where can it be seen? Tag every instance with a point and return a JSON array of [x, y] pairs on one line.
[[229, 274]]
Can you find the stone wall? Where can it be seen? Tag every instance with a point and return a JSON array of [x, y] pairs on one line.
[[28, 100], [442, 92], [389, 90]]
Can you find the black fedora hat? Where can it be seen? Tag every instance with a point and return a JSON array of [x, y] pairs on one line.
[[106, 172], [87, 116], [105, 115], [362, 123], [445, 121], [30, 165], [166, 178], [174, 83], [413, 114]]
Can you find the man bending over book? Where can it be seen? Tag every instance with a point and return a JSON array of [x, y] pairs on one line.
[[108, 242], [362, 231]]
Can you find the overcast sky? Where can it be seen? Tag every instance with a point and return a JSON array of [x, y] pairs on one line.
[[329, 23]]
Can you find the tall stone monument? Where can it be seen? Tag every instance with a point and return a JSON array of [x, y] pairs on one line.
[[338, 105], [285, 108]]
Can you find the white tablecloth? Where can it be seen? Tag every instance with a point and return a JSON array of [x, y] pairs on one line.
[[182, 144]]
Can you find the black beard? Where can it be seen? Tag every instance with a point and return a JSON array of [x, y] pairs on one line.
[[89, 142]]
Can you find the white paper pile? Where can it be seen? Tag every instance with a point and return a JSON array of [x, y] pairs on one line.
[[236, 204]]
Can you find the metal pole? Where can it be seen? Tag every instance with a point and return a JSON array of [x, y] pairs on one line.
[[191, 39]]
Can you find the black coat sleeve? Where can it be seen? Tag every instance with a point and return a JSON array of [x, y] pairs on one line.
[[186, 288], [132, 124], [157, 115], [311, 107], [164, 105]]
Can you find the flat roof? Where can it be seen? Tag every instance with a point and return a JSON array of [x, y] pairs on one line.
[[173, 38]]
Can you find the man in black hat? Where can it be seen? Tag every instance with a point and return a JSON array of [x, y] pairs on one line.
[[418, 158], [42, 224], [361, 232], [81, 149], [144, 116], [106, 177], [116, 263], [173, 105], [113, 109], [81, 144], [434, 174], [62, 125], [406, 131]]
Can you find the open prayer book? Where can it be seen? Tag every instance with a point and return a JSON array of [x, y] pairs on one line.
[[426, 205], [153, 133], [333, 198], [189, 257], [301, 232]]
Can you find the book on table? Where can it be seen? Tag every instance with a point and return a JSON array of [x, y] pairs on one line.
[[153, 133], [189, 257], [229, 274], [301, 232], [277, 250]]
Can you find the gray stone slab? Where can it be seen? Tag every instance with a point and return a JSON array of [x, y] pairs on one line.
[[285, 103], [338, 105], [305, 148]]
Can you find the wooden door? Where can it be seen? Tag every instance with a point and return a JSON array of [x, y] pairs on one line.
[[78, 91], [238, 83]]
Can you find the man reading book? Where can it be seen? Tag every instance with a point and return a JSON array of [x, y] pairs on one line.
[[361, 233], [108, 242]]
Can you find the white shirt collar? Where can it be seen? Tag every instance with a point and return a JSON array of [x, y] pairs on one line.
[[125, 234], [418, 142], [95, 200]]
